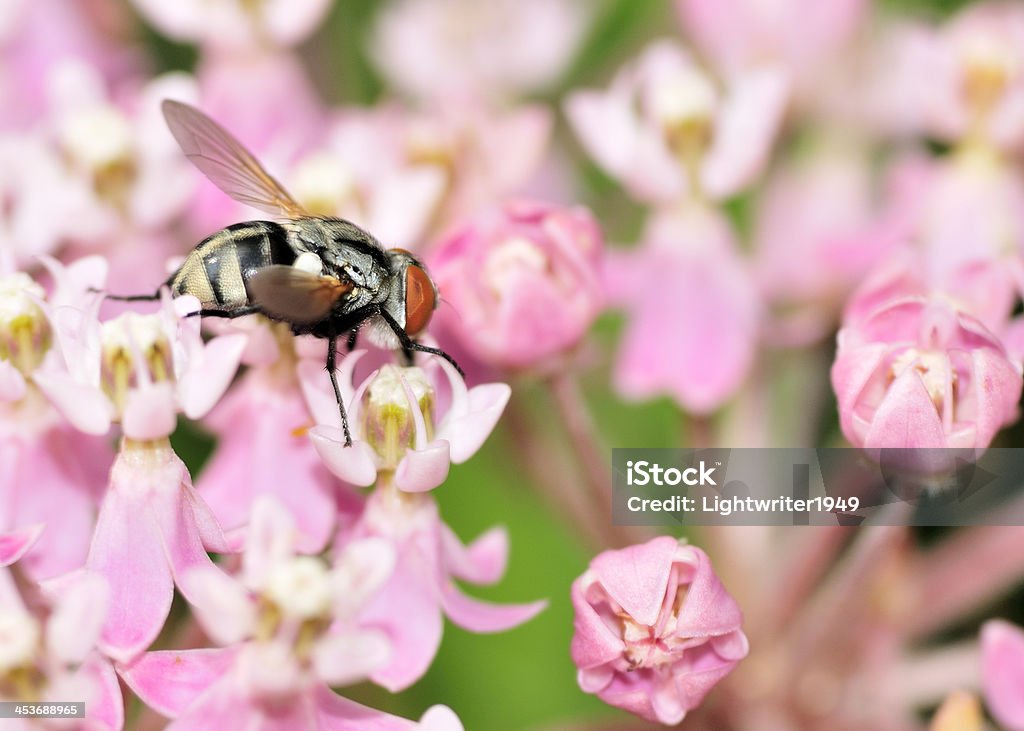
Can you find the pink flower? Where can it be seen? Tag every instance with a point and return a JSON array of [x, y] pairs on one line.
[[120, 154], [236, 24], [15, 544], [687, 292], [917, 373], [655, 629], [396, 425], [139, 369], [48, 655], [291, 628], [363, 174], [152, 528], [429, 558], [976, 76], [798, 35], [666, 131], [41, 203], [263, 449], [815, 233], [523, 282], [460, 48], [49, 473], [484, 152], [1002, 647]]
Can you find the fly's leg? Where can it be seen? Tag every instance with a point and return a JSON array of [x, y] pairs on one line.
[[129, 297], [352, 337], [409, 345], [226, 314], [332, 351]]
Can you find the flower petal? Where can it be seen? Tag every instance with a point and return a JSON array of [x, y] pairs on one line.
[[14, 545], [479, 616], [481, 562], [1002, 648], [209, 374], [171, 681], [424, 469], [347, 658], [355, 465]]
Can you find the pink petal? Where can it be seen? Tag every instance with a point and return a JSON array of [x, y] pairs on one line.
[[479, 616], [270, 541], [637, 577], [360, 570], [593, 642], [171, 681], [150, 412], [87, 408], [709, 609], [264, 450], [14, 545], [209, 374], [334, 713], [415, 636], [77, 619], [440, 718], [605, 124], [906, 418], [107, 707], [356, 465], [1002, 647], [221, 604], [12, 383], [127, 551], [466, 432], [344, 659], [482, 562], [998, 385], [747, 125], [424, 469]]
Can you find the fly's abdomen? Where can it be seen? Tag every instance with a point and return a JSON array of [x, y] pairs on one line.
[[218, 268]]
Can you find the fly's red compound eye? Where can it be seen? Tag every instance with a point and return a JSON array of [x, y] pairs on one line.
[[419, 299]]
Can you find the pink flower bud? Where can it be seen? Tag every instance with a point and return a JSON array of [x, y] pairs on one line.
[[917, 373], [655, 629], [522, 282], [1002, 669]]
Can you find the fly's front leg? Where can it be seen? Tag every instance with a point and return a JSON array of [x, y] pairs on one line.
[[353, 335], [226, 314], [409, 345], [332, 351]]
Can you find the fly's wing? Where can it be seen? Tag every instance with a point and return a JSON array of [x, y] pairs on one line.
[[225, 161], [295, 295]]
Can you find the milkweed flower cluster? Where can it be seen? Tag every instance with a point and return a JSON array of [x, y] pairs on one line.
[[787, 223]]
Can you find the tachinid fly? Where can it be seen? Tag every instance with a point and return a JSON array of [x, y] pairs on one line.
[[323, 276]]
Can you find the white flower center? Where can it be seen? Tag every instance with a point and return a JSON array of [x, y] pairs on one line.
[[17, 298], [97, 137], [131, 341], [19, 640], [300, 588], [24, 329], [935, 369], [323, 184], [687, 97], [512, 255]]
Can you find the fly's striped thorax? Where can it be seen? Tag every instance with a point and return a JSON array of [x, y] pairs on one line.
[[217, 269]]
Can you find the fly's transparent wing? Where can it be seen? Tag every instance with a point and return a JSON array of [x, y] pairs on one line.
[[295, 295], [226, 162]]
